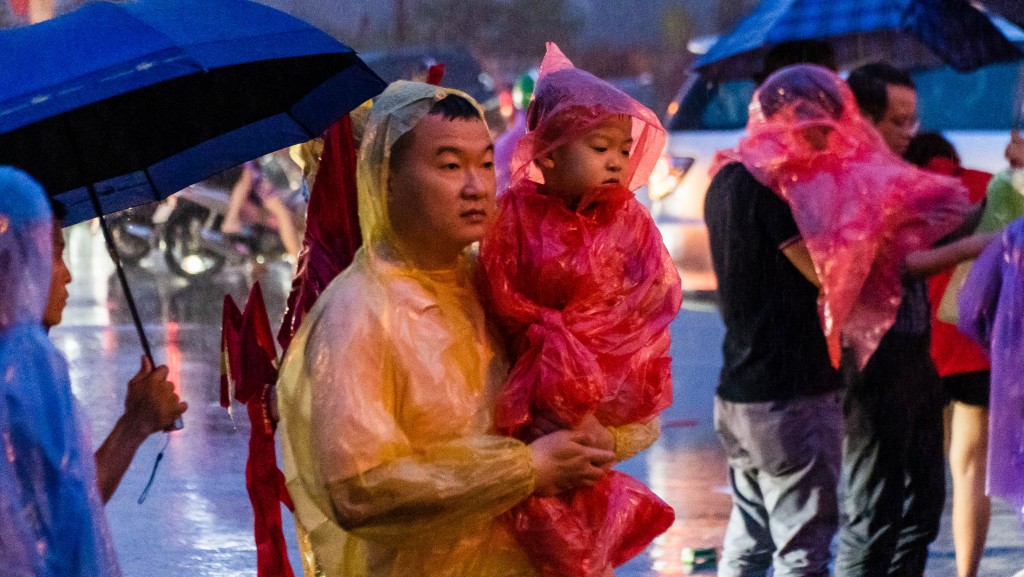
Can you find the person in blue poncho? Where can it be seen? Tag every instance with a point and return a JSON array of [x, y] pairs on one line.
[[51, 515]]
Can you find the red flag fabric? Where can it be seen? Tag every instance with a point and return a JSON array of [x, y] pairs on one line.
[[20, 7], [230, 351], [250, 363], [435, 74], [332, 227]]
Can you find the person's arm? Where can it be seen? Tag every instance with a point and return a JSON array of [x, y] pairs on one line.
[[774, 218], [239, 192], [151, 405], [967, 228], [796, 252], [385, 482], [928, 262], [461, 482], [1015, 150]]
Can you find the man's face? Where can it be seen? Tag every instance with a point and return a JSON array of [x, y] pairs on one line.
[[441, 189], [59, 280], [899, 122]]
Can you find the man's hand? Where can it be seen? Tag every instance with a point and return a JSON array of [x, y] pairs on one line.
[[151, 404], [598, 436], [563, 460]]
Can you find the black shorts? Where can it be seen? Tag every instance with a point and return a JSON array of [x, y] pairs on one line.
[[968, 388]]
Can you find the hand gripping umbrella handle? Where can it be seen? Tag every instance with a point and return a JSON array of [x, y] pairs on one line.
[[114, 256]]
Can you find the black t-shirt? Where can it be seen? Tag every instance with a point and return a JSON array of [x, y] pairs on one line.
[[774, 347]]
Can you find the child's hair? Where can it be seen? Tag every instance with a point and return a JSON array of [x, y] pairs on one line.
[[926, 146]]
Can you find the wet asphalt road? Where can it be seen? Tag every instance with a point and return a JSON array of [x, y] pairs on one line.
[[197, 520]]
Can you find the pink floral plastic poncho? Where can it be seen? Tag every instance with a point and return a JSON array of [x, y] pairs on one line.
[[860, 208], [585, 298]]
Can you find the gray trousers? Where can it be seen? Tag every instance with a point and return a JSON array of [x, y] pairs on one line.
[[784, 463]]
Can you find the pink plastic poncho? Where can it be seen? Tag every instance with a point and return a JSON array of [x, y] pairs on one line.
[[992, 313], [585, 298], [860, 208]]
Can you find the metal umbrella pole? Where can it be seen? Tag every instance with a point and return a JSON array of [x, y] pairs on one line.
[[114, 256]]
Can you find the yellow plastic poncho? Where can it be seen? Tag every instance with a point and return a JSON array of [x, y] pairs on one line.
[[385, 398]]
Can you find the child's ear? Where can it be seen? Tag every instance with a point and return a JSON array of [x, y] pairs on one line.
[[547, 161]]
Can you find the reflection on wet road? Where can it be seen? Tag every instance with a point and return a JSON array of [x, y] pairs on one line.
[[197, 519]]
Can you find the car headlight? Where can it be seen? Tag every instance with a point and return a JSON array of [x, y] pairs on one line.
[[668, 173]]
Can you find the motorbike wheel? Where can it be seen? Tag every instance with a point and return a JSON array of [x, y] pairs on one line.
[[130, 248], [183, 247]]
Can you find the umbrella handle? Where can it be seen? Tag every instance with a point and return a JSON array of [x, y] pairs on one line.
[[114, 256]]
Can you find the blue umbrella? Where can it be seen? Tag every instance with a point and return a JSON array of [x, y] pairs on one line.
[[1011, 9], [116, 105], [907, 32], [143, 99]]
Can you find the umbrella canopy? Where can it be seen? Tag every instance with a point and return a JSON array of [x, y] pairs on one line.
[[1011, 9], [143, 99], [914, 32]]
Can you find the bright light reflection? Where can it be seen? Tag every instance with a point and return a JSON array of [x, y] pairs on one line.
[[193, 264]]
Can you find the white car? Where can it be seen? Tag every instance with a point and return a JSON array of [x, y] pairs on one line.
[[974, 111]]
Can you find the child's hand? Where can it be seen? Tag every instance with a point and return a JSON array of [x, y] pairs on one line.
[[597, 434]]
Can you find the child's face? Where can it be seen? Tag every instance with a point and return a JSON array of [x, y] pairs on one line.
[[600, 157]]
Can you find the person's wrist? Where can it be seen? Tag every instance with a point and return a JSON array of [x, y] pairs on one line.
[[136, 428]]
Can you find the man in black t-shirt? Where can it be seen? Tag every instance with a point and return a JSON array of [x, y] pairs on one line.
[[777, 408]]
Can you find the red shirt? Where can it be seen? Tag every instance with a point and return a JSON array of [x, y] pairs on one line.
[[952, 351]]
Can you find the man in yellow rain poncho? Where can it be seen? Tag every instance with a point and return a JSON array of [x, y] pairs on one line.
[[386, 392]]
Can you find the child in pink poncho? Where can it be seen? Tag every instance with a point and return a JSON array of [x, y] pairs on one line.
[[578, 278]]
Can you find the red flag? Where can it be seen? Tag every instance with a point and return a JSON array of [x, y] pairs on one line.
[[435, 74], [20, 7], [332, 227], [230, 351], [250, 362]]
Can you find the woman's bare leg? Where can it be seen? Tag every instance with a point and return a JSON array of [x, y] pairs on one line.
[[972, 509]]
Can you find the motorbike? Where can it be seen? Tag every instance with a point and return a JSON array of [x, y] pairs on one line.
[[194, 246], [135, 231]]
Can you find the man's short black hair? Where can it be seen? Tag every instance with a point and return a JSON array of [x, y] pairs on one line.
[[797, 52], [870, 84], [455, 107], [926, 146], [60, 212], [451, 107]]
